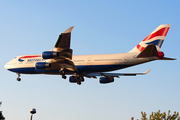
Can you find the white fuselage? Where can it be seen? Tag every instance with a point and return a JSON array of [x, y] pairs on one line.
[[84, 63]]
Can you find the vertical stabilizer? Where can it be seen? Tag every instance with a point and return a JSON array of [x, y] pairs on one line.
[[156, 37]]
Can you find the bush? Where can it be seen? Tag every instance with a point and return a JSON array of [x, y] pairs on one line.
[[160, 116]]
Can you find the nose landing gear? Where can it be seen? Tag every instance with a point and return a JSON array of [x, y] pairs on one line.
[[18, 78]]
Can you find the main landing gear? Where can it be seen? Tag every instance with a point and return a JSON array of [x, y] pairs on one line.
[[79, 79], [18, 78], [76, 78], [64, 77], [79, 82], [62, 73]]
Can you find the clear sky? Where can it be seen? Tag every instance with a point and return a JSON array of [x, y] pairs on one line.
[[101, 27]]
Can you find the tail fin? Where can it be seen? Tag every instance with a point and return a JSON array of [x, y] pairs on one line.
[[156, 37]]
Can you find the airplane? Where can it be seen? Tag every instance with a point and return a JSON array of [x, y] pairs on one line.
[[60, 61]]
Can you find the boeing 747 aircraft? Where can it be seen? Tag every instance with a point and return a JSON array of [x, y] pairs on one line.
[[60, 61]]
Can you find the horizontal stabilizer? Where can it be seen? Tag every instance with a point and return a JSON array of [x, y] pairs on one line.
[[115, 74], [165, 58], [149, 51]]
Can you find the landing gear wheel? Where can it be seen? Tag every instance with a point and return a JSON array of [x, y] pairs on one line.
[[18, 79], [64, 77], [62, 72], [79, 82]]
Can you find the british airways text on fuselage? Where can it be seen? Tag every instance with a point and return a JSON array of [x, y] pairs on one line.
[[34, 60]]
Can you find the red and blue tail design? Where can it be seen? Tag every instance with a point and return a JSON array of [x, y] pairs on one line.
[[156, 37]]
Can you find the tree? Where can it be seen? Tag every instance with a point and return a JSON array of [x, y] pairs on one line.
[[1, 116], [160, 116]]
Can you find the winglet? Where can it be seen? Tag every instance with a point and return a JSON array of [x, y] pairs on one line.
[[147, 72], [69, 30], [63, 40]]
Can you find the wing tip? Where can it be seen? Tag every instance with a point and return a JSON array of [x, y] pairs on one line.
[[69, 29], [146, 72]]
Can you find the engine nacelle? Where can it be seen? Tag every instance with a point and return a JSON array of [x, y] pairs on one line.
[[72, 79], [42, 65], [104, 80], [49, 54], [160, 54]]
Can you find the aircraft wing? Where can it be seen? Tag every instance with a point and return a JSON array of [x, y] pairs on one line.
[[93, 75], [61, 55]]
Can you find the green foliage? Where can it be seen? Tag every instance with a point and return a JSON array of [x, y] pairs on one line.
[[143, 116], [160, 116]]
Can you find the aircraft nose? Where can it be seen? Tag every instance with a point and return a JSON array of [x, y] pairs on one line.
[[7, 66]]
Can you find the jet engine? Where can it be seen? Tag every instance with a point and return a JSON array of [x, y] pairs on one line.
[[42, 65], [104, 80], [49, 54], [160, 54]]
